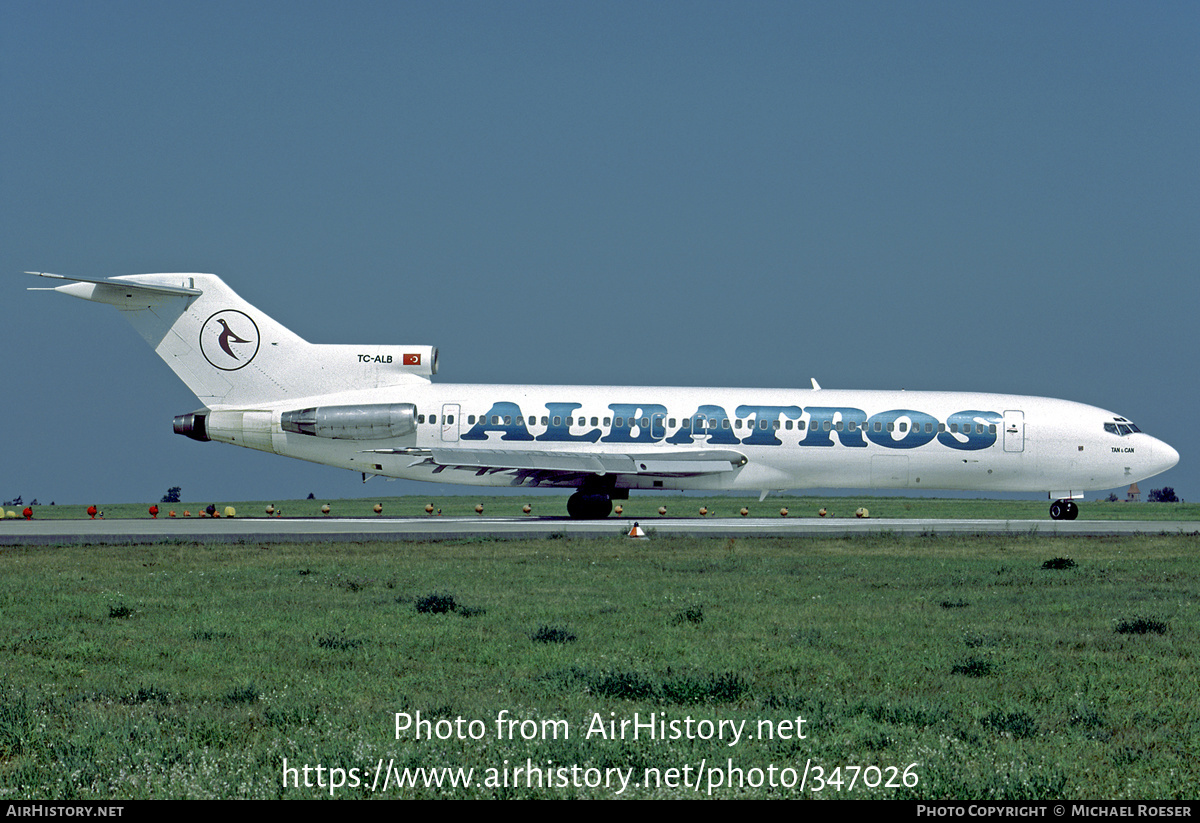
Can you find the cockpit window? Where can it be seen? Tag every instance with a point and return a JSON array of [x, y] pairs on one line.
[[1121, 428]]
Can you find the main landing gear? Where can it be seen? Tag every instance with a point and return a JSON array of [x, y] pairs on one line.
[[593, 500], [583, 505], [1064, 510]]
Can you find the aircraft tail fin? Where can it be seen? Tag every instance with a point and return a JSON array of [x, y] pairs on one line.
[[233, 355]]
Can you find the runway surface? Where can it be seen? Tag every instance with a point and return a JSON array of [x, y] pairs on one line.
[[277, 530]]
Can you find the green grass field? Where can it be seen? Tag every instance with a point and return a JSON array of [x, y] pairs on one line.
[[922, 667], [645, 506]]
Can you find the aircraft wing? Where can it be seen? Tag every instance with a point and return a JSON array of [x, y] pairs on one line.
[[536, 467]]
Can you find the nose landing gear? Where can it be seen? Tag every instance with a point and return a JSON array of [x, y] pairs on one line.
[[1064, 510]]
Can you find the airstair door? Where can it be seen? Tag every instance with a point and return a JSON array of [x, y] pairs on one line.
[[1014, 431]]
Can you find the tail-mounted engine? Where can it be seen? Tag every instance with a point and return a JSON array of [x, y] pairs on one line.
[[253, 429], [379, 421], [193, 425]]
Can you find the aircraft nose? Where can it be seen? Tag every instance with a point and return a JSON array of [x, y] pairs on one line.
[[1164, 456]]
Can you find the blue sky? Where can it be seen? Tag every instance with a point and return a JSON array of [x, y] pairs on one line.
[[993, 197]]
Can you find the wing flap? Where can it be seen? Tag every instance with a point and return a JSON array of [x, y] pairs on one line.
[[666, 464], [558, 466]]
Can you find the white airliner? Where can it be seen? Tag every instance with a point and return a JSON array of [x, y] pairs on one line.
[[374, 409]]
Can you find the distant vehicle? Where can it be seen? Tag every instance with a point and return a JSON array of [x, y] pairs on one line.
[[374, 409]]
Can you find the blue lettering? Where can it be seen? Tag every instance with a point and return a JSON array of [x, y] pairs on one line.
[[504, 417], [708, 421], [970, 430], [763, 422], [848, 425], [559, 431], [901, 428], [646, 418]]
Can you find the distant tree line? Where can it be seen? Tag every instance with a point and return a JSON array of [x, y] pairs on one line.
[[1164, 495]]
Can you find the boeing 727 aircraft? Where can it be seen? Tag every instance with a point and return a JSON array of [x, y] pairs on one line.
[[375, 410]]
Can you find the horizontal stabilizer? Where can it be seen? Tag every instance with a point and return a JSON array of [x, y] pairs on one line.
[[116, 291]]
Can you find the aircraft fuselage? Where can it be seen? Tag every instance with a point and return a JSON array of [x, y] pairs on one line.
[[791, 439]]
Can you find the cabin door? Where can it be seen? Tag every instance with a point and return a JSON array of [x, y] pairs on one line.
[[450, 415]]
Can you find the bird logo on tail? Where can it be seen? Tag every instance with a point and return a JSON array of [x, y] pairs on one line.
[[228, 335], [229, 339]]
